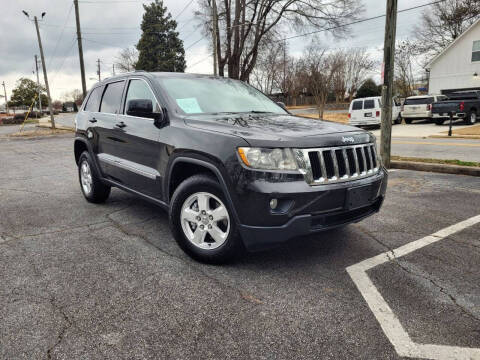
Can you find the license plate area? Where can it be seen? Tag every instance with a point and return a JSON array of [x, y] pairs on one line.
[[358, 197], [368, 114]]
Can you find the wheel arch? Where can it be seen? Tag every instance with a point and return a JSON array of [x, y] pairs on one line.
[[183, 167], [79, 146]]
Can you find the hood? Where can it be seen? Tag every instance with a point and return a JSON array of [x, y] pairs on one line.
[[272, 130]]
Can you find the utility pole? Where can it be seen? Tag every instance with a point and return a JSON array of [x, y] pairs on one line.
[[113, 69], [387, 86], [285, 68], [214, 37], [98, 70], [6, 100], [80, 49], [38, 86], [44, 67]]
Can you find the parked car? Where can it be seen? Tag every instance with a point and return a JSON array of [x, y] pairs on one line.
[[234, 169], [368, 111], [463, 104], [419, 107]]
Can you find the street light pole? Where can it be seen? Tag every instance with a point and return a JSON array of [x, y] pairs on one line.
[[38, 86], [387, 87], [44, 68]]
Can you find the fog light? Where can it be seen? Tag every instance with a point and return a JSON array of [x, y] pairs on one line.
[[273, 204]]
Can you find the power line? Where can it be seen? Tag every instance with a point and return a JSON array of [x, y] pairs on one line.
[[200, 61], [60, 37], [196, 42], [359, 21], [185, 8]]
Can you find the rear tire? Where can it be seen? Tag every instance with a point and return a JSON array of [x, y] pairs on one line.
[[94, 190], [439, 121], [408, 121], [398, 121], [202, 222], [471, 118]]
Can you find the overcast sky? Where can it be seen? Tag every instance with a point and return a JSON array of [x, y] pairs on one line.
[[111, 25]]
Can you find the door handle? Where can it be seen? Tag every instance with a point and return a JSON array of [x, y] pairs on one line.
[[120, 125], [93, 120]]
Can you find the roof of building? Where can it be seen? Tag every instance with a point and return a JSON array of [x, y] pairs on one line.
[[453, 43]]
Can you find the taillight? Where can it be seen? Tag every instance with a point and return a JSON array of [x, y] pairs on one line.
[[462, 106], [378, 113], [349, 115], [429, 107]]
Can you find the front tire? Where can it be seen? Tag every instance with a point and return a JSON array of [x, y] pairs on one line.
[[439, 121], [471, 118], [94, 190], [398, 121], [202, 222], [408, 121]]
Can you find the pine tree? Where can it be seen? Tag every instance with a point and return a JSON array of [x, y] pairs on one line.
[[160, 48]]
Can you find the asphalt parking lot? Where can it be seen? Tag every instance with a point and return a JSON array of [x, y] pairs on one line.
[[84, 281]]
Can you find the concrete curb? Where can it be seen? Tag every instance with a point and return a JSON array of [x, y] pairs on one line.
[[473, 137], [57, 126], [438, 168]]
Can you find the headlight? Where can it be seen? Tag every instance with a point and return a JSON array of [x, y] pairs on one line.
[[268, 159]]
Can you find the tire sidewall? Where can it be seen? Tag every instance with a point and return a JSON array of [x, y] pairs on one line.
[[202, 183], [99, 191]]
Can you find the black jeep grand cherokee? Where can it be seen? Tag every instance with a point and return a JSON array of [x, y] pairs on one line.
[[234, 169]]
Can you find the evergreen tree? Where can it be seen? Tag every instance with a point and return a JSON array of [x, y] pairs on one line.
[[160, 48], [368, 89]]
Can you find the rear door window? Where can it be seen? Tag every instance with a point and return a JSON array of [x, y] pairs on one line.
[[369, 104], [112, 98], [357, 105], [93, 101]]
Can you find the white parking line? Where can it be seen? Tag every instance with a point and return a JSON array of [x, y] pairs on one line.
[[390, 324]]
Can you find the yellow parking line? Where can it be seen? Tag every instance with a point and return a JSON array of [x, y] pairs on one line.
[[434, 143]]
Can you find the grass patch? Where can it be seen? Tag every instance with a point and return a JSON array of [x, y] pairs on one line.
[[436, 161], [335, 117], [297, 107], [39, 132], [469, 131]]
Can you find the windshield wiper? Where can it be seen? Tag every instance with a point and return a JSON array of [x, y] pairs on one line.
[[259, 112]]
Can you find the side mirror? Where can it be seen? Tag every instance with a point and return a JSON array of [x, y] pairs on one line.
[[140, 108], [144, 108], [282, 105]]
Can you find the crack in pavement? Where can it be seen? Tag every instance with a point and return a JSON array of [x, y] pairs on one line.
[[393, 258], [243, 295]]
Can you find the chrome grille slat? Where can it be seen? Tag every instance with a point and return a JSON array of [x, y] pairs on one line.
[[339, 167], [347, 163]]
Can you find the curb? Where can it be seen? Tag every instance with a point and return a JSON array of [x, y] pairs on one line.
[[57, 126], [438, 168], [473, 137]]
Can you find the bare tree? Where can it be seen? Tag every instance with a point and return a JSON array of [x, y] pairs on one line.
[[126, 59], [241, 26], [339, 77], [442, 23], [358, 66], [403, 79], [269, 68], [320, 68]]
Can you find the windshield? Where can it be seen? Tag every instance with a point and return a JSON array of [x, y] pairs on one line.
[[419, 101], [217, 95]]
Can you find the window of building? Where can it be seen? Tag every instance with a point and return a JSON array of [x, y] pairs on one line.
[[476, 51]]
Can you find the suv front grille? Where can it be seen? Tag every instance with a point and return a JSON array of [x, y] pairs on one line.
[[338, 164]]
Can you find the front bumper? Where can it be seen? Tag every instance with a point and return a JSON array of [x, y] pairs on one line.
[[323, 207]]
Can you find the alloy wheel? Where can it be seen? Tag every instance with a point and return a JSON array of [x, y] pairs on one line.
[[205, 220]]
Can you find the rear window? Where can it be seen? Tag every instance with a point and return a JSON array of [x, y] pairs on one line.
[[112, 98], [93, 101], [357, 105], [419, 101], [369, 104]]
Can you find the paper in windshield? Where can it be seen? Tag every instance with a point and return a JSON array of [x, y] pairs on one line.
[[189, 105]]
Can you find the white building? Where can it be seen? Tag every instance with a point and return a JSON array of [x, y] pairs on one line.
[[458, 66]]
